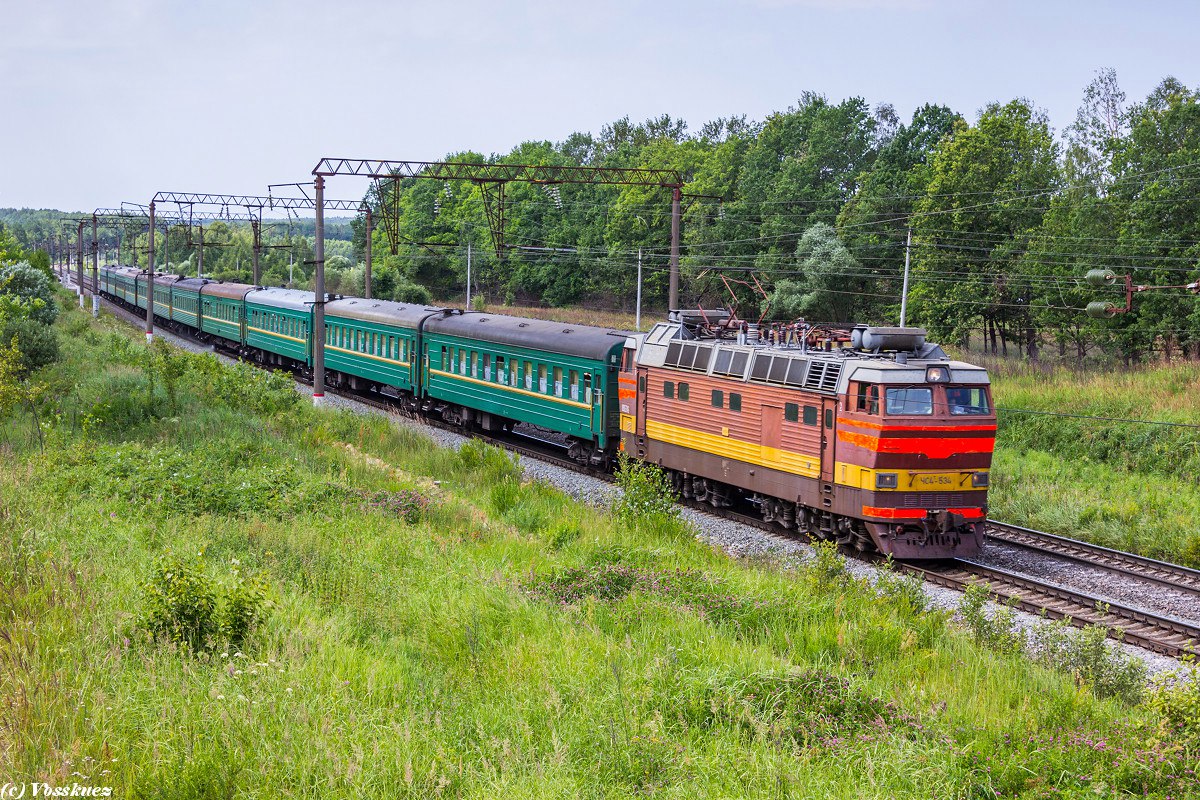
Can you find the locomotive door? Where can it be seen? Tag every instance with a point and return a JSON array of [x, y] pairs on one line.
[[771, 427], [643, 396], [828, 437]]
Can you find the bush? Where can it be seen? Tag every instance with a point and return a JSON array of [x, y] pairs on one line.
[[184, 605], [1176, 699], [646, 492], [36, 342], [30, 288], [996, 632], [408, 292], [180, 605]]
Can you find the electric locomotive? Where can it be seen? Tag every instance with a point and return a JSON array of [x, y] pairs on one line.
[[873, 437]]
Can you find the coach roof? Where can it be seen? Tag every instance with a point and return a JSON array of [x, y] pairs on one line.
[[291, 299], [583, 341], [232, 291], [383, 312]]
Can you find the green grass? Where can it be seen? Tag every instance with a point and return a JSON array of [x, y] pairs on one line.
[[505, 641], [1128, 485]]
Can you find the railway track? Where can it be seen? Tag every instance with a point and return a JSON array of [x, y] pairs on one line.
[[1138, 627], [1174, 576]]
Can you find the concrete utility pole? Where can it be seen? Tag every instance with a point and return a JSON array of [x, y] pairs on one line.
[[79, 259], [200, 258], [904, 291], [367, 258], [256, 227], [673, 294], [318, 335], [150, 281], [95, 270], [468, 275], [638, 323]]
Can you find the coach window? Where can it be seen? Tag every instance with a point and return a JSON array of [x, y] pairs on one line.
[[474, 364], [443, 354], [542, 378], [487, 366], [573, 376], [463, 358], [791, 412], [528, 375], [558, 386], [587, 388], [718, 398], [810, 415], [501, 372], [668, 388], [683, 392], [735, 401]]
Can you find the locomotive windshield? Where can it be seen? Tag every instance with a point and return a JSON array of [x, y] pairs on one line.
[[967, 400], [909, 401]]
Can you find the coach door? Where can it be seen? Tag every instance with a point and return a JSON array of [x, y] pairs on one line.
[[828, 437]]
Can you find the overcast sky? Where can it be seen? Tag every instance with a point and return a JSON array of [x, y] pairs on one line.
[[111, 100]]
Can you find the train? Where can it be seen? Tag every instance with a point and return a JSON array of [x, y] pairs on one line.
[[871, 437]]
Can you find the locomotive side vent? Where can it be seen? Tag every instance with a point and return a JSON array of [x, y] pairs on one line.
[[829, 380]]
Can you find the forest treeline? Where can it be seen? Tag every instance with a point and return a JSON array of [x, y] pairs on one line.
[[816, 204]]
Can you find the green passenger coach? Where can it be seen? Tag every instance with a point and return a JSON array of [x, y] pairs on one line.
[[373, 343], [222, 308], [279, 323], [494, 371]]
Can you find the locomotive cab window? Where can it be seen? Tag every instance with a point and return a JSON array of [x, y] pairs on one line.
[[867, 398], [971, 400], [810, 415], [910, 401], [791, 412]]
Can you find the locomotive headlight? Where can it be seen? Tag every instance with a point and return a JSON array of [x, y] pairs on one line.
[[979, 480], [886, 480], [937, 374]]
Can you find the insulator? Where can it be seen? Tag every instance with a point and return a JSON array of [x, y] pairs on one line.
[[1100, 277], [1102, 309]]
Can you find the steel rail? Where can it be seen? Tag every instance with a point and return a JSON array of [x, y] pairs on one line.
[[1174, 576]]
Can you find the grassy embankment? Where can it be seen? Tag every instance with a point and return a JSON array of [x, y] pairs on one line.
[[477, 636], [1129, 485]]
